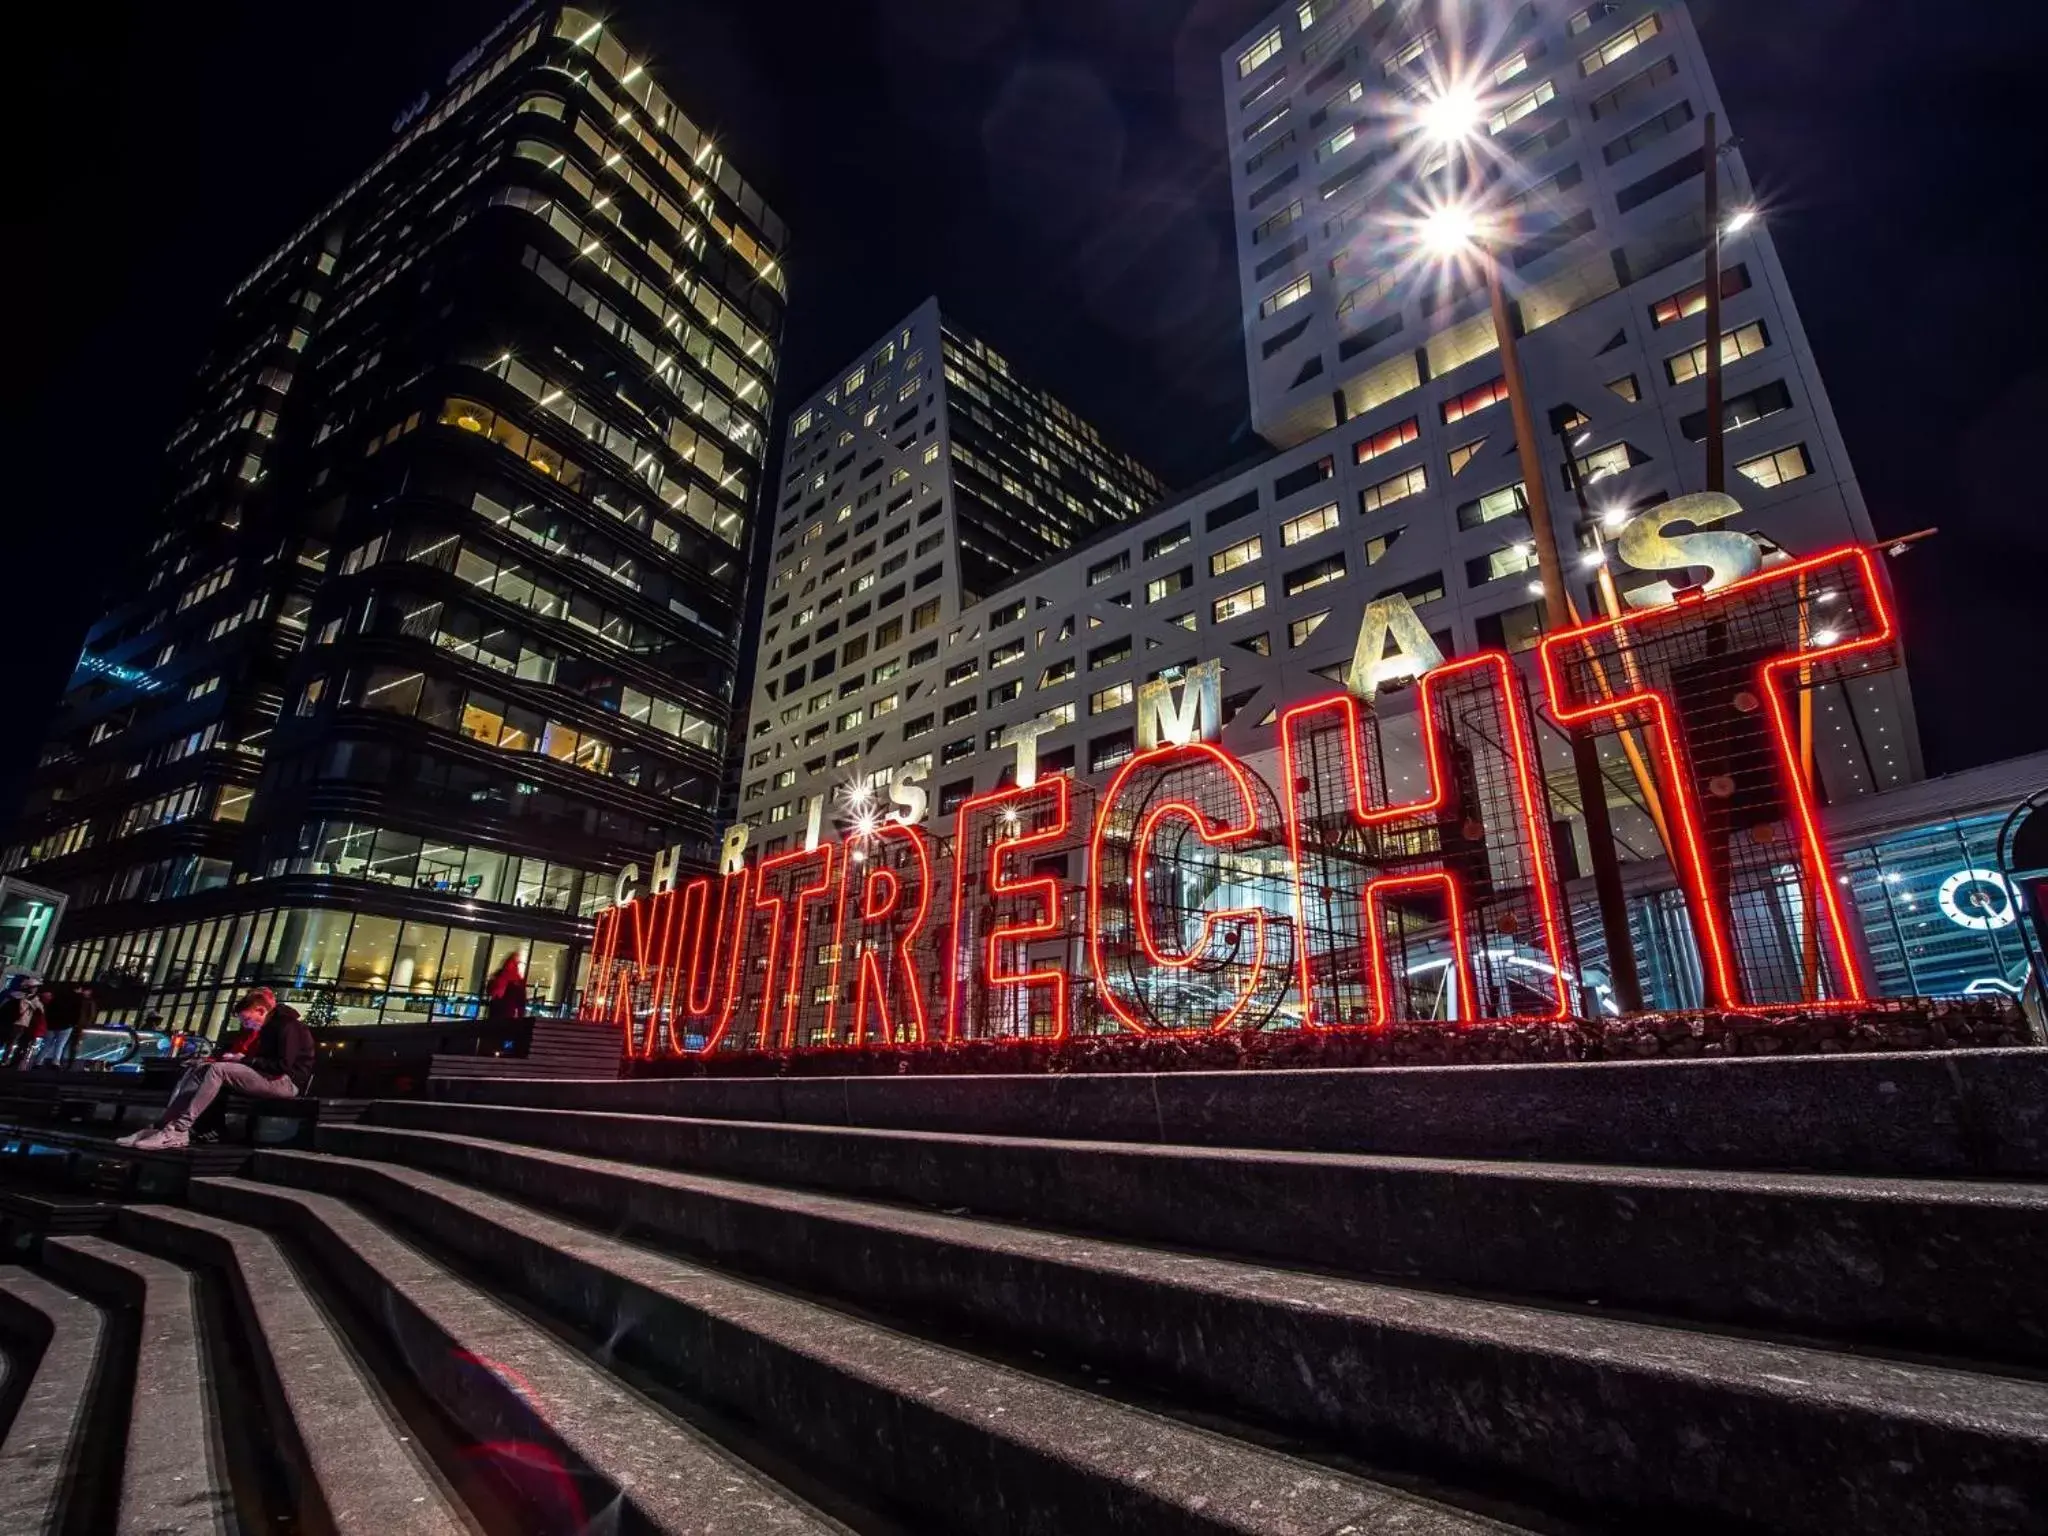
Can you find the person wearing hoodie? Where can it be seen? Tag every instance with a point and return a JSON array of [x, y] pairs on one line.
[[276, 1064]]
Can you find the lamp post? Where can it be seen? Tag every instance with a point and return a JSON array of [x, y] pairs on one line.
[[1453, 118]]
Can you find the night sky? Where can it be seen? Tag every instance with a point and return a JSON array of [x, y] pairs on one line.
[[1056, 173]]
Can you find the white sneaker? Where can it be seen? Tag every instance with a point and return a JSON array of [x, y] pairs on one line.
[[134, 1137], [161, 1141]]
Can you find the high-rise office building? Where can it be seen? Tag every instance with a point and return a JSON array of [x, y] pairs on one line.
[[438, 626], [922, 479], [1395, 473]]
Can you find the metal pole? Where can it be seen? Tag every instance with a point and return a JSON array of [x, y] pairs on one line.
[[1621, 954], [1716, 473]]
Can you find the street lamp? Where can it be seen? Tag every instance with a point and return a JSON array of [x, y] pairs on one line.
[[1461, 230]]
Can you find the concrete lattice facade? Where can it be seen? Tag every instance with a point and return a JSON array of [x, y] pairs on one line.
[[1395, 467]]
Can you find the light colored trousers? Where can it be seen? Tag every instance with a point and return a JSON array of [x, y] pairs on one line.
[[200, 1084]]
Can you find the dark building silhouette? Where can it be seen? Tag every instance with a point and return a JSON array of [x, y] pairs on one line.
[[439, 625]]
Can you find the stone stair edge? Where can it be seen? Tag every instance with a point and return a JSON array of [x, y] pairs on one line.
[[1615, 1390]]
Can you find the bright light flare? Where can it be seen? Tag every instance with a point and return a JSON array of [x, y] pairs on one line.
[[1450, 231], [1738, 221], [1452, 116]]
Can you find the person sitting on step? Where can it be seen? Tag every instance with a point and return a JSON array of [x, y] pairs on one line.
[[277, 1064]]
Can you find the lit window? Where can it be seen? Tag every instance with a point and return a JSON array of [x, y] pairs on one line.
[[1292, 293], [1300, 630], [1243, 553], [1505, 502], [1263, 51], [1475, 400], [1116, 696], [1602, 462], [1167, 542], [1376, 548], [1299, 529], [1319, 573], [854, 380], [1521, 107], [1165, 586], [1272, 225], [1411, 482], [1338, 142], [1744, 341], [1465, 453], [1688, 302], [1237, 604], [1386, 442], [1792, 463], [1626, 387], [1621, 44]]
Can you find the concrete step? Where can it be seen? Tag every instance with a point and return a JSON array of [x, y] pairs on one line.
[[953, 1440], [1593, 1412], [515, 1390], [1937, 1113], [1948, 1266], [348, 1462], [56, 1343], [174, 1479]]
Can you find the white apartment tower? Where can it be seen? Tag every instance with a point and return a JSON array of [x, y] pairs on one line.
[[1588, 165]]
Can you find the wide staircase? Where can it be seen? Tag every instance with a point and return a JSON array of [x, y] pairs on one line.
[[1798, 1296]]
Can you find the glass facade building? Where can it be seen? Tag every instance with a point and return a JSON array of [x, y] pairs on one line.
[[438, 627], [924, 478]]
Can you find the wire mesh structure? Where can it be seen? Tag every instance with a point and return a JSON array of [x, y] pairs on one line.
[[1189, 893], [1712, 684], [1443, 907]]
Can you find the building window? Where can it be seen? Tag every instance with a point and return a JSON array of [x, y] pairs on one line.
[[1169, 541], [961, 709], [1743, 341], [1338, 142], [1301, 479], [1688, 302], [1499, 122], [1274, 223], [1479, 398], [1162, 587], [1318, 573], [1741, 411], [1059, 672], [1465, 453], [1602, 462], [1621, 44], [1297, 530], [1792, 463], [1386, 442], [1115, 696], [1242, 553], [1300, 631], [1585, 19], [1501, 563], [1423, 589], [1376, 548], [1508, 501], [961, 672], [1626, 388], [1410, 482], [1105, 752], [1291, 293], [1110, 569], [1003, 655], [1237, 604], [1260, 53], [1109, 655]]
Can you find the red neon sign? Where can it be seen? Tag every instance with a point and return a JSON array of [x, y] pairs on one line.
[[883, 938], [1494, 672], [1216, 834], [1664, 723], [790, 975], [1015, 802]]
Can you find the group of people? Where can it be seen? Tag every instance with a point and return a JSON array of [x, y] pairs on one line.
[[268, 1055], [32, 1009]]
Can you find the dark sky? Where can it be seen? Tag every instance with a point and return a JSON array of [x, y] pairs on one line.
[[1054, 170]]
